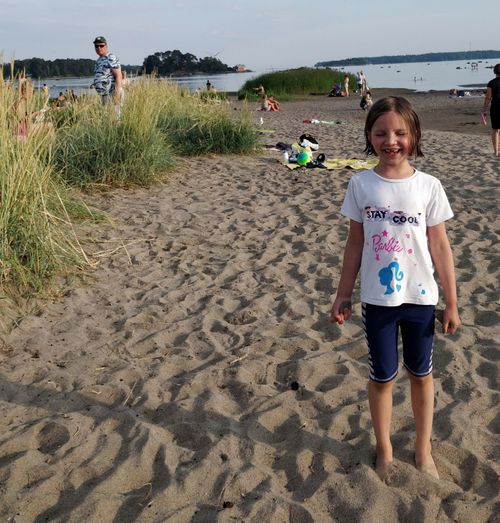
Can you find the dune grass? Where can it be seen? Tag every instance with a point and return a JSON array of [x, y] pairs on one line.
[[158, 122], [296, 82], [95, 147], [195, 125], [36, 236], [44, 154]]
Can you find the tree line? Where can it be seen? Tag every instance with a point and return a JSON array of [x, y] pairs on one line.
[[412, 58], [162, 63], [40, 68], [175, 62]]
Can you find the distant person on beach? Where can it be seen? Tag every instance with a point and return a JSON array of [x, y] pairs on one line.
[[366, 101], [260, 90], [210, 87], [61, 101], [493, 97], [269, 103], [346, 84], [45, 90], [22, 108], [29, 122], [364, 87], [107, 74], [396, 235]]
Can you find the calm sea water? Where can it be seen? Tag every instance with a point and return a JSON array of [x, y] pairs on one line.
[[429, 76], [419, 76], [230, 82]]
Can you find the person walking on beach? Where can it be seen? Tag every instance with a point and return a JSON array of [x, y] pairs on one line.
[[107, 74], [396, 234], [493, 97]]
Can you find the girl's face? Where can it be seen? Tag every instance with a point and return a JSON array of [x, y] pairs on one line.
[[391, 140]]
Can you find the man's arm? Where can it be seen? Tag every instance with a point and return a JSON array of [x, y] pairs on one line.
[[117, 73]]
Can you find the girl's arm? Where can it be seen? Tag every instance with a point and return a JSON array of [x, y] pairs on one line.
[[341, 308], [442, 258]]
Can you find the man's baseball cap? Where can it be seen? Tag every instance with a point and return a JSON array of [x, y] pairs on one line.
[[100, 40]]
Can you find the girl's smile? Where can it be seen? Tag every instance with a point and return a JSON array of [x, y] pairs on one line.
[[392, 143]]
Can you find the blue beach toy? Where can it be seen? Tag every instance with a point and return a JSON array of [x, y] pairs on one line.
[[303, 158]]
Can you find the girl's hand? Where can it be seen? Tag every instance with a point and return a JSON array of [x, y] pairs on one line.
[[341, 310], [451, 319]]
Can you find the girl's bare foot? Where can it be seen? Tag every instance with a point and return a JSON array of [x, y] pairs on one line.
[[427, 466], [383, 468], [383, 463]]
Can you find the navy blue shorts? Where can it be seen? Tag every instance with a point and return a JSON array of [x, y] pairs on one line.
[[381, 330]]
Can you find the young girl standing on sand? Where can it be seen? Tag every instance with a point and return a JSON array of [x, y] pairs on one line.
[[396, 234]]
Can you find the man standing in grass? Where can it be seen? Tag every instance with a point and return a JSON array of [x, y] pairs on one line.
[[107, 74]]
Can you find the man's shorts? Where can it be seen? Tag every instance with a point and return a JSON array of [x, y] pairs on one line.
[[381, 326]]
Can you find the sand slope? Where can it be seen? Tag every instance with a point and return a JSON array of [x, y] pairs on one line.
[[198, 378]]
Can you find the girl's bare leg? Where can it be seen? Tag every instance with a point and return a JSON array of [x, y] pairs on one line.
[[380, 399], [422, 401]]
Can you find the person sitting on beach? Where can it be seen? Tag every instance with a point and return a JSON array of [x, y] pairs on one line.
[[366, 101], [397, 248], [29, 122], [335, 90], [210, 87], [269, 104], [260, 90], [61, 100]]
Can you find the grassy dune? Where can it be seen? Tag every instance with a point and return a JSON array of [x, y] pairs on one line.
[[296, 82], [45, 151]]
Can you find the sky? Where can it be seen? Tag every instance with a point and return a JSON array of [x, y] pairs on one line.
[[261, 34]]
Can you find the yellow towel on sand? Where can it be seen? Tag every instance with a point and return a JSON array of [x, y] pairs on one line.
[[342, 163]]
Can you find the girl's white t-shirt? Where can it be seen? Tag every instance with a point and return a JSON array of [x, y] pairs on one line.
[[396, 265]]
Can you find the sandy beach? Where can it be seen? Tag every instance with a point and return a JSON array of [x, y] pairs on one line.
[[195, 376]]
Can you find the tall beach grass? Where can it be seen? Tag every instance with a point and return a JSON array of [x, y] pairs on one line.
[[96, 148], [36, 236], [197, 125], [296, 82], [158, 122], [44, 154]]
